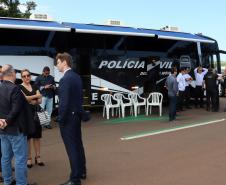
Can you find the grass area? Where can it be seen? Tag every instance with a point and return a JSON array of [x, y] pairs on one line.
[[135, 119]]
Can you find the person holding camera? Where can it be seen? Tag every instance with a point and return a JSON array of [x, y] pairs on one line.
[[46, 85]]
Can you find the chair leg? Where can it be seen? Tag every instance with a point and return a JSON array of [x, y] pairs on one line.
[[107, 111], [112, 112], [150, 109], [123, 111], [147, 110], [160, 110], [131, 110], [135, 111], [104, 111]]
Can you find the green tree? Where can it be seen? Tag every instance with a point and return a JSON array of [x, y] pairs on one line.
[[10, 8]]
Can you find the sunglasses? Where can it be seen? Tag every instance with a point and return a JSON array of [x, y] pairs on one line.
[[26, 76]]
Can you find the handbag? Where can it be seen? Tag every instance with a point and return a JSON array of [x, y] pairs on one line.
[[44, 117]]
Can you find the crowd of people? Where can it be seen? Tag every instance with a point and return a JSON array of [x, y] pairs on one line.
[[180, 85], [19, 126], [19, 104]]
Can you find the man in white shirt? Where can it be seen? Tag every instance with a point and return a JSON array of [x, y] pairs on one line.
[[181, 88], [187, 95], [199, 75]]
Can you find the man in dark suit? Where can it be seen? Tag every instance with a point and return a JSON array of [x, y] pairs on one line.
[[69, 118], [12, 120]]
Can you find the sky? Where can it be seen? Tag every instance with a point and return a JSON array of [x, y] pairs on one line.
[[190, 16]]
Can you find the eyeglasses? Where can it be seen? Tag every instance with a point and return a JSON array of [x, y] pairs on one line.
[[26, 76]]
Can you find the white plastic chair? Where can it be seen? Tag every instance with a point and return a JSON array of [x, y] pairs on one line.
[[124, 102], [107, 98], [137, 102], [154, 99]]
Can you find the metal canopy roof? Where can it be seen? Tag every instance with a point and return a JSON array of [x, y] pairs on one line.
[[112, 30], [178, 36], [27, 24], [12, 23], [117, 30]]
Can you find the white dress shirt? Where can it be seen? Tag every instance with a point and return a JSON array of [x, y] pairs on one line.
[[181, 82], [66, 70], [199, 76], [187, 82]]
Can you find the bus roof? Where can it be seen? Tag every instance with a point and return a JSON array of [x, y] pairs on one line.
[[27, 24], [129, 31]]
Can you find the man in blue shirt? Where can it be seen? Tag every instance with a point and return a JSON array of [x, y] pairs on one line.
[[46, 85], [172, 87]]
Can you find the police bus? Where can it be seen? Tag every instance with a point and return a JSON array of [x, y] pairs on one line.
[[108, 58]]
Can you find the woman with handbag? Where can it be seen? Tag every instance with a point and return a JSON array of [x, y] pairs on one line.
[[34, 98]]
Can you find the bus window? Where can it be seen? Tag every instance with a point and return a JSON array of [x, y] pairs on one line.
[[223, 63], [214, 61]]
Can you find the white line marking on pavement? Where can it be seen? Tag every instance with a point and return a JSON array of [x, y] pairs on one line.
[[167, 130]]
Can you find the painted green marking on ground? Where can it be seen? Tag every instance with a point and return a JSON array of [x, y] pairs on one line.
[[135, 119], [165, 130]]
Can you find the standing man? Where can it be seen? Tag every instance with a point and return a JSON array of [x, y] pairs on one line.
[[187, 94], [46, 85], [12, 125], [181, 88], [210, 81], [199, 75], [172, 87], [69, 118], [153, 75]]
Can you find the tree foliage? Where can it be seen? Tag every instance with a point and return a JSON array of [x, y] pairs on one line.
[[10, 8]]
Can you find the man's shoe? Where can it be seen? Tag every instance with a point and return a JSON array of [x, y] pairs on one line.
[[71, 183], [48, 126]]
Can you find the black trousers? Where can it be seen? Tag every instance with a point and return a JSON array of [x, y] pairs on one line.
[[187, 96], [72, 138], [180, 102], [211, 99], [198, 96]]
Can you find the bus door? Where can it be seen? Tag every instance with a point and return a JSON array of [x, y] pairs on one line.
[[81, 58]]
